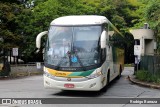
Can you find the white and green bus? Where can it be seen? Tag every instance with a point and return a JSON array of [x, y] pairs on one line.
[[83, 52]]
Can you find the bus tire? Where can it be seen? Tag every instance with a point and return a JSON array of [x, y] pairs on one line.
[[104, 89]]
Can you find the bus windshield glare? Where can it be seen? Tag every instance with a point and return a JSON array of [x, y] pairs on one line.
[[75, 46]]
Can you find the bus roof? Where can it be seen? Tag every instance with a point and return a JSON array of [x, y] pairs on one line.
[[80, 20]]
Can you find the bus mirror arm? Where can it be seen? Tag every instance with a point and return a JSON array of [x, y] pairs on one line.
[[103, 39], [38, 39]]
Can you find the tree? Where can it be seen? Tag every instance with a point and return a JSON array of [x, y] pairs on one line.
[[37, 19], [8, 27], [153, 18], [8, 32], [15, 28], [120, 13], [28, 22]]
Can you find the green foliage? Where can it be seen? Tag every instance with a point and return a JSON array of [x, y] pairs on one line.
[[128, 65], [15, 28], [8, 25], [152, 15], [19, 26], [147, 76]]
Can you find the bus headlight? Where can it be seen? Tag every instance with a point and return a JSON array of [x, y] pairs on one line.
[[47, 74], [94, 75]]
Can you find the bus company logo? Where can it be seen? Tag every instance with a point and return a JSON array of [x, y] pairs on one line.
[[6, 101], [60, 74], [68, 79]]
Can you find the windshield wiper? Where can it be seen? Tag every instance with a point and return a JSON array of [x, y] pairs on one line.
[[69, 55], [57, 66], [84, 68]]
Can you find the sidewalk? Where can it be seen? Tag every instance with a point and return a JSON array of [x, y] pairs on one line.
[[129, 72], [146, 84]]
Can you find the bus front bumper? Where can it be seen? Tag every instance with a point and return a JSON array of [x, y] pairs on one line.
[[94, 84]]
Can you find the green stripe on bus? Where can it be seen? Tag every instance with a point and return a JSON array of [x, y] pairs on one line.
[[82, 73]]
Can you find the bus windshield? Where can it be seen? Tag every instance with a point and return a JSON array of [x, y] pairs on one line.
[[75, 46]]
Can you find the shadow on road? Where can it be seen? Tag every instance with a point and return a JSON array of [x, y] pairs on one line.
[[79, 93]]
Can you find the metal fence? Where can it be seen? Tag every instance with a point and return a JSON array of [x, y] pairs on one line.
[[150, 63]]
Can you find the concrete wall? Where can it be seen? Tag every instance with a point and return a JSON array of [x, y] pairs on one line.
[[25, 69], [145, 33], [146, 37], [149, 47]]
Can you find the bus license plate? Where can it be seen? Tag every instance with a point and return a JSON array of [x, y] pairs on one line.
[[69, 85]]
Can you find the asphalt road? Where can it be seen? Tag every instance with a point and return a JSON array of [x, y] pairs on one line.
[[32, 87]]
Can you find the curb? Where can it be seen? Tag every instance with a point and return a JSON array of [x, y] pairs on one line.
[[150, 85], [19, 75]]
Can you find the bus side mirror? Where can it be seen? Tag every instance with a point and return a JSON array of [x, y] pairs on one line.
[[103, 39], [38, 39]]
